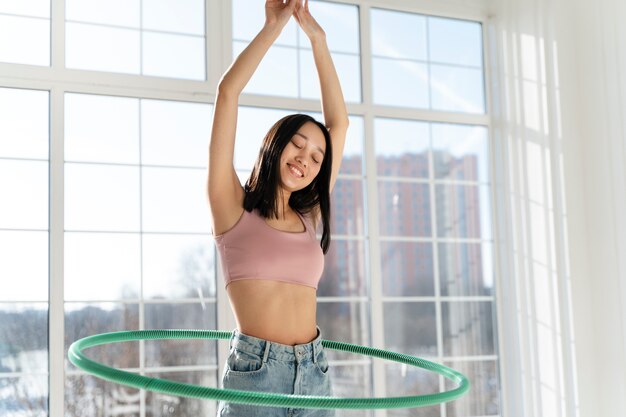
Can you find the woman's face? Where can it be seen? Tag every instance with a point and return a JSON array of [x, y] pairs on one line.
[[302, 158]]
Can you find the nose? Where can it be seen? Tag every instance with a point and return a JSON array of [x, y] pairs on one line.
[[302, 159]]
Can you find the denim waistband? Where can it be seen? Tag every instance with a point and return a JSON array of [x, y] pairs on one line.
[[268, 349]]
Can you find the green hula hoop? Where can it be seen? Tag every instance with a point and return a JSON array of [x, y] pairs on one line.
[[165, 386]]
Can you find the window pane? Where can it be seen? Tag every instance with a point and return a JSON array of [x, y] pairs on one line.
[[402, 148], [404, 209], [165, 123], [243, 177], [24, 123], [468, 328], [276, 75], [159, 405], [351, 381], [388, 41], [177, 266], [348, 69], [457, 89], [24, 266], [180, 16], [462, 211], [86, 396], [485, 397], [430, 411], [348, 211], [408, 380], [24, 191], [460, 152], [110, 12], [25, 40], [173, 200], [23, 349], [186, 352], [411, 328], [23, 341], [175, 56], [407, 269], [455, 41], [102, 48], [35, 8], [101, 197], [353, 151], [400, 83], [344, 270], [341, 24], [82, 320], [345, 321], [27, 396], [465, 269], [101, 129], [102, 266]]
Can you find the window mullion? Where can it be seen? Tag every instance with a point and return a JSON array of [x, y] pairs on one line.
[[56, 322], [378, 378], [219, 20]]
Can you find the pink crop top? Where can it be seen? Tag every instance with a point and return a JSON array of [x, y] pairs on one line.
[[252, 249]]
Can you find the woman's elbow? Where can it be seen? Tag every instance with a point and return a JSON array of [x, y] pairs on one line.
[[226, 88]]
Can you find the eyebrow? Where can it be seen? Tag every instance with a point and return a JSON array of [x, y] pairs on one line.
[[320, 149]]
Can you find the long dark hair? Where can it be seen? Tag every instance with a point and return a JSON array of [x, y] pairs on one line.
[[263, 184]]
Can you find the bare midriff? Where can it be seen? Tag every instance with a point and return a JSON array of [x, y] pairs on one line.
[[273, 310]]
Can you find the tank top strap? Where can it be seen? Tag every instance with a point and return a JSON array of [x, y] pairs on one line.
[[307, 223]]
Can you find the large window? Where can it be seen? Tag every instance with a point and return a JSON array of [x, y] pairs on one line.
[[103, 218]]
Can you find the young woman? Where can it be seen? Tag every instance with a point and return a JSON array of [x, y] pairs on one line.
[[265, 232]]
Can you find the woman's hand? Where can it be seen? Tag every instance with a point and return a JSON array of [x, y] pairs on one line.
[[308, 24], [277, 12]]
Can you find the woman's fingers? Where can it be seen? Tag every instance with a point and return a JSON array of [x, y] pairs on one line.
[[279, 10], [306, 21]]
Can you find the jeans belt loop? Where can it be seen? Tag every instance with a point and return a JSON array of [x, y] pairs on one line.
[[267, 350], [232, 339]]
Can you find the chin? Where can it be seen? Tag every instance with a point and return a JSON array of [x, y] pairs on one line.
[[292, 188]]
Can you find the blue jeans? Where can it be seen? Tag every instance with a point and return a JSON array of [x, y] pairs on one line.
[[259, 365]]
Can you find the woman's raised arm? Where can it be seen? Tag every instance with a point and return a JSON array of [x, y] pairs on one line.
[[225, 193], [333, 104]]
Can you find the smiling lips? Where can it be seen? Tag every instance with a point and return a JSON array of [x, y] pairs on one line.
[[296, 171]]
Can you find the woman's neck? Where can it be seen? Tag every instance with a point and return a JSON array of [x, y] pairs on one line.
[[284, 209]]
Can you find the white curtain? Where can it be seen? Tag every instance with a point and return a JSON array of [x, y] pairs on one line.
[[558, 71]]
